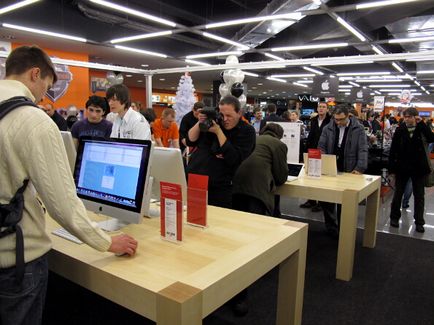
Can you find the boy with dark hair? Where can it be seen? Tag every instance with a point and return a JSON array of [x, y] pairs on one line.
[[94, 125], [127, 123]]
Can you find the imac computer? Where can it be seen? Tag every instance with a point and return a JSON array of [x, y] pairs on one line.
[[167, 166], [71, 151], [111, 176]]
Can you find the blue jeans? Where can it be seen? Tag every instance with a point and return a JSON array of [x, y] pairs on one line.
[[407, 194], [23, 303]]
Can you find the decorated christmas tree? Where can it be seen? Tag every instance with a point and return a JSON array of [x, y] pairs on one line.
[[184, 99]]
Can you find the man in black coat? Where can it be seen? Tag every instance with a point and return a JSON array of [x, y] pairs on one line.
[[187, 122], [316, 126], [271, 115], [408, 159]]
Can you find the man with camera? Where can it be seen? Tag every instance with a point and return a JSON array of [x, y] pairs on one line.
[[223, 141]]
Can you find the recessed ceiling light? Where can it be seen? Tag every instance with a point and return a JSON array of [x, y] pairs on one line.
[[128, 75], [145, 65], [139, 80], [161, 79], [259, 83]]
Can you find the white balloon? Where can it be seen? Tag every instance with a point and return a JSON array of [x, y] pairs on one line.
[[224, 90], [238, 76], [111, 77], [229, 77], [119, 79], [243, 100], [232, 59]]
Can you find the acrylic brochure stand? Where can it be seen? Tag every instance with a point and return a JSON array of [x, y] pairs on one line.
[[171, 212], [197, 200]]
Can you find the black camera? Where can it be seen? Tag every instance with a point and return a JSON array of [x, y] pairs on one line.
[[211, 115]]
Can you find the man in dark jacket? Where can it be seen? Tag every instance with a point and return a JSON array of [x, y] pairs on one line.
[[271, 115], [221, 150], [317, 124], [344, 137], [187, 122], [408, 159]]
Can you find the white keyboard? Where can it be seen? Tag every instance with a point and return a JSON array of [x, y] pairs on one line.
[[61, 232]]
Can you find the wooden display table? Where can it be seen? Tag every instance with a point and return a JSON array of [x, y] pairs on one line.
[[183, 283], [348, 190]]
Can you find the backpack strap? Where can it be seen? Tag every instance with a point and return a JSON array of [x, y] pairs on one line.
[[10, 104]]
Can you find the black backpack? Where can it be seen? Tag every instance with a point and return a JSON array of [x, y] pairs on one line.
[[11, 213]]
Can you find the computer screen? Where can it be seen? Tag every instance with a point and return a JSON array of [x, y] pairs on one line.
[[71, 152], [110, 176], [307, 111]]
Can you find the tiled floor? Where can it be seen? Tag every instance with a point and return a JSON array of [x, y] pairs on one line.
[[291, 207]]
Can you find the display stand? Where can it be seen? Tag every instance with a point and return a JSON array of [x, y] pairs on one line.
[[171, 212], [197, 200]]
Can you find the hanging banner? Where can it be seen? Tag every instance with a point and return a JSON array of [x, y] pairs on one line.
[[379, 103], [325, 86], [359, 95]]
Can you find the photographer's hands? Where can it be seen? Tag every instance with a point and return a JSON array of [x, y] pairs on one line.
[[217, 130]]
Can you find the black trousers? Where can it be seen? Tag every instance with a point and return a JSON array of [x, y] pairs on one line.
[[220, 196], [418, 182], [332, 214], [247, 203]]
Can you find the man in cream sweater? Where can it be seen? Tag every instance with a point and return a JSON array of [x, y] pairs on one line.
[[31, 148]]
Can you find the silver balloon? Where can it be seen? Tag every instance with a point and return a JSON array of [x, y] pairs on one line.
[[224, 90], [111, 77], [243, 100], [229, 77], [119, 79], [238, 76], [232, 59]]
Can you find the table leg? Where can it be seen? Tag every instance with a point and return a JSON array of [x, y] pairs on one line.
[[371, 218], [179, 304], [291, 285], [347, 235]]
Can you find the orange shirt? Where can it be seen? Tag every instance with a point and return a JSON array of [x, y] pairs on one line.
[[160, 132]]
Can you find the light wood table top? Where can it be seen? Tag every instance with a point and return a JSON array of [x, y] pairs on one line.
[[349, 190], [165, 280]]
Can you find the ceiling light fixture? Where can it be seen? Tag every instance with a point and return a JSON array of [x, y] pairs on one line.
[[353, 83], [213, 54], [379, 73], [381, 3], [278, 58], [397, 67], [425, 72], [44, 32], [301, 85], [377, 92], [423, 88], [342, 63], [394, 89], [225, 40], [345, 86], [141, 36], [389, 86], [427, 92], [377, 80], [17, 6], [293, 75], [377, 50], [313, 70], [276, 79], [251, 74], [131, 49], [305, 81], [308, 47], [417, 83], [411, 39], [197, 62], [133, 12], [288, 16], [351, 29]]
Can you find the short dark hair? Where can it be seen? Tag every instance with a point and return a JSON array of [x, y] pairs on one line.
[[271, 108], [411, 111], [122, 94], [149, 115], [274, 128], [198, 105], [231, 100], [97, 101], [24, 58], [342, 108]]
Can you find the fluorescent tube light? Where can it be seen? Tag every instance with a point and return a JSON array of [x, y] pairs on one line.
[[417, 83], [278, 58], [301, 85], [276, 79], [377, 92], [353, 83], [251, 74], [225, 40], [393, 89], [425, 72], [377, 50], [423, 88], [378, 73], [44, 32], [289, 16], [377, 80], [213, 54], [141, 36], [197, 62], [432, 85], [308, 47], [381, 3], [313, 70], [293, 75], [351, 29], [305, 81], [389, 86], [345, 86], [342, 63], [427, 92], [397, 67], [411, 39], [343, 90], [17, 6], [133, 12], [131, 49]]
